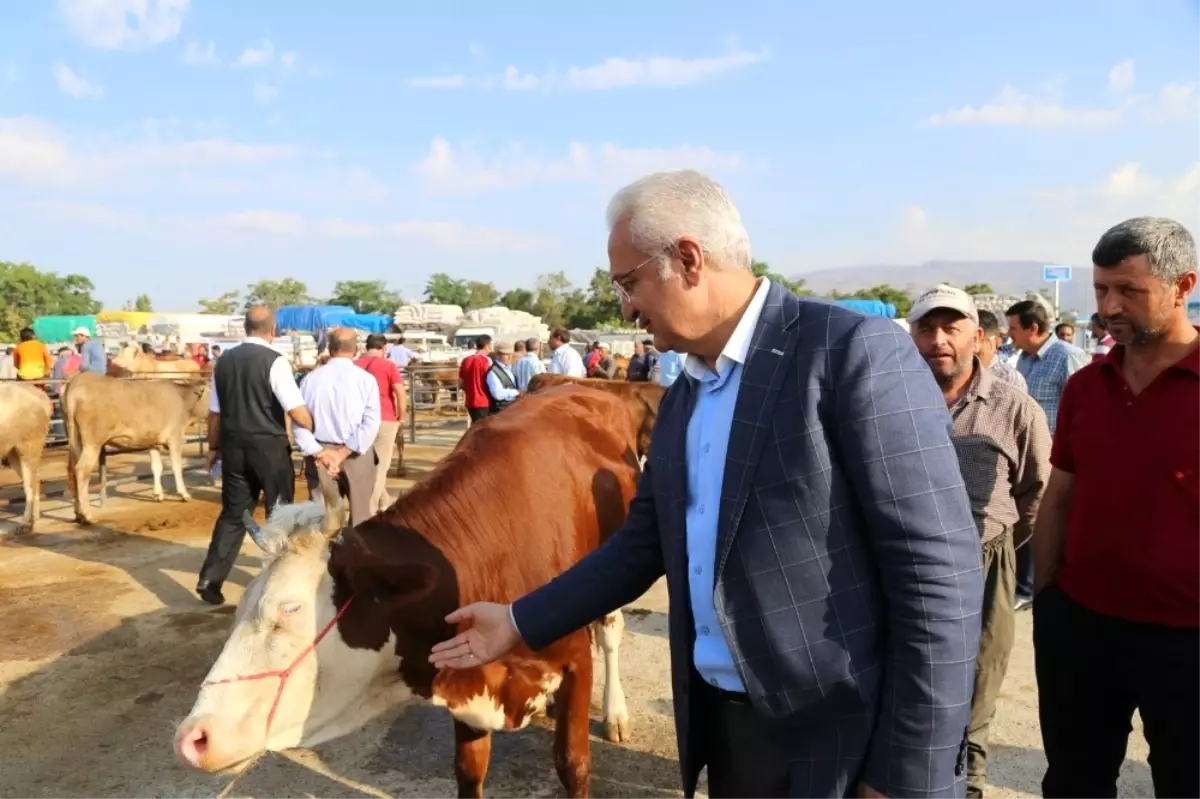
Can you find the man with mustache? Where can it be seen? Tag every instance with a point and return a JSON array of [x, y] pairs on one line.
[[1116, 618], [1003, 446]]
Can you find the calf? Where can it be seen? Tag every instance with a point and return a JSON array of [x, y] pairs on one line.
[[25, 413], [347, 628], [131, 415]]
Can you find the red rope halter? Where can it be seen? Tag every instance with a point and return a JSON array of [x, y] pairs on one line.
[[283, 674]]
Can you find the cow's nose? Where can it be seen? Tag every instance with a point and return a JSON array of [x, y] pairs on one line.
[[191, 742]]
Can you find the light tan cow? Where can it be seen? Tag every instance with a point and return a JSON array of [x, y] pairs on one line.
[[25, 412], [130, 415], [144, 365]]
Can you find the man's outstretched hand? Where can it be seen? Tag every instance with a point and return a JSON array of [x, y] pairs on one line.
[[491, 636]]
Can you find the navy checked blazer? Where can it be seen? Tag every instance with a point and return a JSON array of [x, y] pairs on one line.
[[848, 570]]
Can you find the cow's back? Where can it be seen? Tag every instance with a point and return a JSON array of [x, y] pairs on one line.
[[26, 411], [527, 492], [125, 413]]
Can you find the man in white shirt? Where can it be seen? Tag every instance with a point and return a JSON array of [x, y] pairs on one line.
[[565, 359], [251, 396], [344, 401]]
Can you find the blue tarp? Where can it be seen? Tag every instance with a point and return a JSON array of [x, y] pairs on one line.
[[310, 318], [870, 307], [370, 322]]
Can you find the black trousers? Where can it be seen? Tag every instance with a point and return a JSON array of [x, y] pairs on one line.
[[1093, 671], [745, 757], [476, 414], [246, 473]]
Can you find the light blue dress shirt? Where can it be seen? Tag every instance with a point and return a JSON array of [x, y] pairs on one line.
[[670, 366], [526, 368], [496, 388], [343, 399], [714, 396]]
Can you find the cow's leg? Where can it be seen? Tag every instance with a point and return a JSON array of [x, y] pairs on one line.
[[572, 747], [609, 632], [20, 465], [89, 456], [472, 751], [175, 450], [156, 471]]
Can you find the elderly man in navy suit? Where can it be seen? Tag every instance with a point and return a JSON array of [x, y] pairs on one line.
[[804, 501]]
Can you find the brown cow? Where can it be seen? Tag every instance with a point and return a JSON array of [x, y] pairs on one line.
[[350, 625], [25, 411], [648, 395], [145, 365], [431, 378], [132, 415]]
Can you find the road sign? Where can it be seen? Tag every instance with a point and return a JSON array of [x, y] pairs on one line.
[[1056, 274]]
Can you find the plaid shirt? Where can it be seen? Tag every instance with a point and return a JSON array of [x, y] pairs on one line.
[[1046, 373], [1003, 447], [1006, 374]]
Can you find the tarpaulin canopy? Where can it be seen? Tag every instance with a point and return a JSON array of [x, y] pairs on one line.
[[370, 322], [870, 307], [310, 318], [55, 329], [134, 320]]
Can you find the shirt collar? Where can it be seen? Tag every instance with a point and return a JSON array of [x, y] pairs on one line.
[[1189, 363], [737, 348]]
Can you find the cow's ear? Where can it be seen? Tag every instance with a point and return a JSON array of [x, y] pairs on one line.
[[371, 576]]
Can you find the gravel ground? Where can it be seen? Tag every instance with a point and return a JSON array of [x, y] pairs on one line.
[[103, 646]]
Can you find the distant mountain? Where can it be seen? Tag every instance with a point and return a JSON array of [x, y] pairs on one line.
[[1006, 277]]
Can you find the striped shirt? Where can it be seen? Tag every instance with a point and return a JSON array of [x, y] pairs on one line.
[[1046, 373], [1007, 374], [1003, 446], [525, 368]]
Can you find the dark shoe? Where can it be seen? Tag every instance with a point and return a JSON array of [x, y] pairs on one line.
[[210, 593], [1022, 603]]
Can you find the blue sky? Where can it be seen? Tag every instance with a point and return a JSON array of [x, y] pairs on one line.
[[187, 147]]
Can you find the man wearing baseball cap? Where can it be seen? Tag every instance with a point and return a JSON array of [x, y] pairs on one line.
[[91, 352], [1002, 441]]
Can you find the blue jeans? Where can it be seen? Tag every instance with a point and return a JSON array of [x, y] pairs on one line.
[[1025, 571]]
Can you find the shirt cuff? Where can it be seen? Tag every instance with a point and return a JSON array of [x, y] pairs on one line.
[[513, 619]]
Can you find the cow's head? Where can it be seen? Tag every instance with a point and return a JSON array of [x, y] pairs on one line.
[[127, 357], [288, 623]]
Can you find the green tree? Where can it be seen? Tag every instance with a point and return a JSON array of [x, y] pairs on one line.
[[518, 300], [276, 293], [140, 303], [27, 292], [884, 293], [480, 295], [225, 305], [604, 306], [979, 288], [550, 297], [761, 269], [366, 296], [441, 289]]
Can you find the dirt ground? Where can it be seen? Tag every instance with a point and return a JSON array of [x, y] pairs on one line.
[[103, 646]]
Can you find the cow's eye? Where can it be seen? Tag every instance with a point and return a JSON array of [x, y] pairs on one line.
[[289, 607]]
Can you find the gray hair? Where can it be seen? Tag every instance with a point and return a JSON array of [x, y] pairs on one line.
[[665, 206], [1169, 245]]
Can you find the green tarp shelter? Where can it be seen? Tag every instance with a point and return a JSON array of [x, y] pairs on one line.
[[55, 329]]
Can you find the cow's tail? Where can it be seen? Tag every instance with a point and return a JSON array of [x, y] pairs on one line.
[[74, 442]]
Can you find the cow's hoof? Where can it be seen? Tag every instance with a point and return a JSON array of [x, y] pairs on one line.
[[185, 497], [618, 730], [83, 520]]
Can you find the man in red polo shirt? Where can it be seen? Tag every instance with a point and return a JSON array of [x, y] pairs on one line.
[[472, 373], [1116, 615]]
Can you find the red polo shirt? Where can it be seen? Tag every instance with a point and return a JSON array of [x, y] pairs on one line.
[[473, 372], [1133, 529]]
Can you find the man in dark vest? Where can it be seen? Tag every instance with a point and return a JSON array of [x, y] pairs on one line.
[[252, 392], [501, 382]]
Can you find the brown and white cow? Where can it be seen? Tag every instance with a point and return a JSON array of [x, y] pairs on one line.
[[25, 413], [329, 635], [131, 415], [648, 395]]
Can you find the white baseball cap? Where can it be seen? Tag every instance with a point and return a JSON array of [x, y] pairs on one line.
[[944, 296], [82, 331]]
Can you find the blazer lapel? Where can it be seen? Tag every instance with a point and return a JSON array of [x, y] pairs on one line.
[[762, 377], [676, 477]]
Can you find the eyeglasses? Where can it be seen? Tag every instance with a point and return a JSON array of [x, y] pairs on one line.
[[624, 284]]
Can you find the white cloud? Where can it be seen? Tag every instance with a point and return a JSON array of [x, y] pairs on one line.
[[287, 59], [265, 93], [123, 24], [207, 57], [450, 237], [460, 170], [438, 82], [77, 87], [1120, 77], [256, 57], [1015, 108], [35, 153], [612, 73]]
